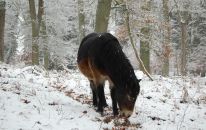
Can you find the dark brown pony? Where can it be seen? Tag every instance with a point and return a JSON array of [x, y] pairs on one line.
[[100, 58]]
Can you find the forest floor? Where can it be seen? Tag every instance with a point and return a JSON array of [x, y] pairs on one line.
[[34, 99]]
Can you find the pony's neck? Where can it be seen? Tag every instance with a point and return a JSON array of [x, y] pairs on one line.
[[119, 68]]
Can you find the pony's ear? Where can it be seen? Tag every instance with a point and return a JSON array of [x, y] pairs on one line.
[[139, 80]]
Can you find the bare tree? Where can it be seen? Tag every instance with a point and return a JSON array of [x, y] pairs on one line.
[[81, 20], [102, 15], [183, 19], [2, 25], [12, 49], [146, 37], [166, 40], [36, 21], [44, 36]]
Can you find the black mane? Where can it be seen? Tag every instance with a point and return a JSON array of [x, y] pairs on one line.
[[112, 57]]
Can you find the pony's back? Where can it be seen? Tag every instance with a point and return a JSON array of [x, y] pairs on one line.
[[96, 46]]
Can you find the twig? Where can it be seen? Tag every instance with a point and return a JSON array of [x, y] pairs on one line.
[[183, 117], [100, 125], [133, 46]]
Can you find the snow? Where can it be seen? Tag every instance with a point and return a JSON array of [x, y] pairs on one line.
[[32, 98]]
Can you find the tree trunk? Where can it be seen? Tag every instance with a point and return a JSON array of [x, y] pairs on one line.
[[2, 25], [42, 20], [35, 48], [81, 20], [45, 41], [144, 42], [11, 52], [9, 57], [183, 48], [102, 15], [36, 21], [166, 42], [145, 48], [183, 18]]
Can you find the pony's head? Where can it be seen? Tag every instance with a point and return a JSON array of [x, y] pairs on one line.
[[126, 96]]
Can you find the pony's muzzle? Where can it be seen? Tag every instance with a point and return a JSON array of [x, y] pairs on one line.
[[126, 113]]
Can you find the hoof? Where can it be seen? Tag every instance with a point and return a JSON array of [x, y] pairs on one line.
[[115, 112], [100, 112], [95, 105], [105, 105]]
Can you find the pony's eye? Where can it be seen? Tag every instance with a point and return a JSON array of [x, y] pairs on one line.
[[130, 98]]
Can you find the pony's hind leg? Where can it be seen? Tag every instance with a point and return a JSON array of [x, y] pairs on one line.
[[100, 98], [98, 95], [93, 88]]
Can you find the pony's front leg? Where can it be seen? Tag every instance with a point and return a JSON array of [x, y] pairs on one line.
[[114, 100], [104, 102]]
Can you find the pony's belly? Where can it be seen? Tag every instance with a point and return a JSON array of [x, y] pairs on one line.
[[93, 73]]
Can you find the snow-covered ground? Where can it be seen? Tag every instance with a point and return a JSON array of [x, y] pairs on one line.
[[33, 99]]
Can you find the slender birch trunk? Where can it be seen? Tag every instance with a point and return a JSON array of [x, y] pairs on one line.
[[2, 26]]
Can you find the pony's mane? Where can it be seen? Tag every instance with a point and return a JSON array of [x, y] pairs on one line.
[[116, 63]]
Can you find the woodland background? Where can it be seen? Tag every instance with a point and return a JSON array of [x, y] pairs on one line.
[[39, 41], [169, 35]]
